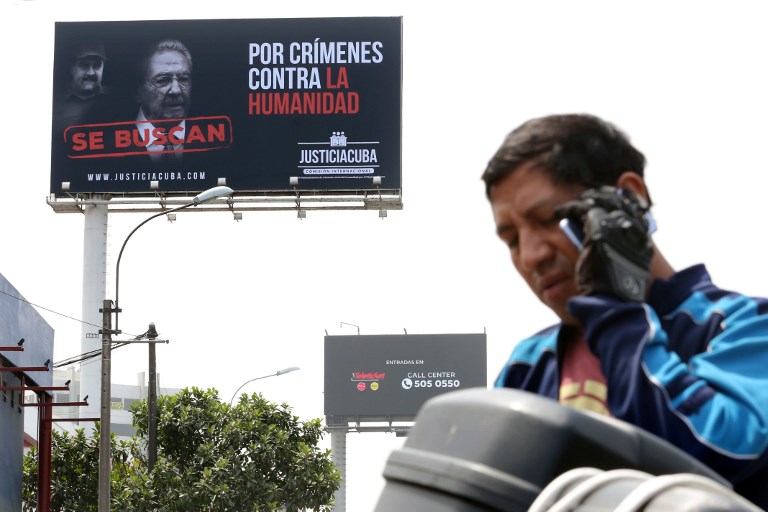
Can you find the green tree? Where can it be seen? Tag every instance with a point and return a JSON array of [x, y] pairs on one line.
[[74, 471], [254, 456]]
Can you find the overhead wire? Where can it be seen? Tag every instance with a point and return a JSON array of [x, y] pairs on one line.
[[22, 299], [86, 356]]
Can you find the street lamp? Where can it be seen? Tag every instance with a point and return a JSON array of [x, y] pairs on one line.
[[279, 372], [202, 197], [105, 447]]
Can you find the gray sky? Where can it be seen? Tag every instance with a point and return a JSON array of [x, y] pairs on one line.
[[242, 299]]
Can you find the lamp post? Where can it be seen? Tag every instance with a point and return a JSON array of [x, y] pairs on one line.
[[279, 372], [105, 446]]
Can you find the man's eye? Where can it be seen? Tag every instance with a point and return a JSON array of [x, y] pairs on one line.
[[162, 81], [165, 81], [549, 221]]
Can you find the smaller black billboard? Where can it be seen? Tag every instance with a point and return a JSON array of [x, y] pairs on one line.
[[380, 377]]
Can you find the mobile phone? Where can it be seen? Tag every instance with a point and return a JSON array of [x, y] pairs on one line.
[[575, 231]]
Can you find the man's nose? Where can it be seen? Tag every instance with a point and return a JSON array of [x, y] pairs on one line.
[[175, 86], [533, 249]]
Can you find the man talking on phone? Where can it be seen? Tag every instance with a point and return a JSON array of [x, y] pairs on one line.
[[663, 349]]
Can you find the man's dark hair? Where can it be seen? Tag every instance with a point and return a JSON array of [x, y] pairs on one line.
[[574, 149]]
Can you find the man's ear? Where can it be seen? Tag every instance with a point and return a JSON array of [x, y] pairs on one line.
[[634, 182]]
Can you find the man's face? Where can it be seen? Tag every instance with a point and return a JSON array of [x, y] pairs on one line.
[[86, 75], [523, 205], [166, 92]]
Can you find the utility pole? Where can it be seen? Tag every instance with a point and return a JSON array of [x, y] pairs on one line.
[[105, 439], [152, 399]]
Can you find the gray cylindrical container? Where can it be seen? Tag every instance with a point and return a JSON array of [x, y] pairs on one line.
[[480, 450]]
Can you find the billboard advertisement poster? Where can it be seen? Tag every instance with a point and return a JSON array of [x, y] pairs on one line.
[[265, 104], [373, 377]]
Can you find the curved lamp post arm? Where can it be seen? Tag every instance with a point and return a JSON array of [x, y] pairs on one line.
[[279, 372], [207, 195]]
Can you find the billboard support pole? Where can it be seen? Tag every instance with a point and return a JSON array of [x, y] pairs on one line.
[[94, 291], [339, 456]]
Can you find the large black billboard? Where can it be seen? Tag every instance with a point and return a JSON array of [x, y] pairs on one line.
[[262, 104], [379, 377]]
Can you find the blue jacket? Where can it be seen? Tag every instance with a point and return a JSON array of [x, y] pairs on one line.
[[690, 365]]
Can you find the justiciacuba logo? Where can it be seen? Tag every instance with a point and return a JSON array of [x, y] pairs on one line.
[[339, 151]]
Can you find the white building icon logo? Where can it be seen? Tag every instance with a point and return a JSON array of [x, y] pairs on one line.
[[338, 140]]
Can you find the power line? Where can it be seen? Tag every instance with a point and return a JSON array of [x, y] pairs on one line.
[[87, 356], [47, 309], [97, 353]]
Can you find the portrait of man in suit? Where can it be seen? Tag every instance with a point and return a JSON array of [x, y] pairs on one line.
[[164, 96]]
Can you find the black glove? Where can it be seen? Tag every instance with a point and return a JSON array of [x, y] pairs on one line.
[[617, 249]]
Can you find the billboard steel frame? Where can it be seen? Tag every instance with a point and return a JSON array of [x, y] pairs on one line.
[[296, 200]]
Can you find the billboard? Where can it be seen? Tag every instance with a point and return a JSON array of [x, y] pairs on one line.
[[261, 105], [389, 377]]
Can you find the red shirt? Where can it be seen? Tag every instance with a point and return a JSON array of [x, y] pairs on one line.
[[582, 383]]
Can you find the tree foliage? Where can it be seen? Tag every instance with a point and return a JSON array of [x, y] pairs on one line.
[[74, 470], [253, 456]]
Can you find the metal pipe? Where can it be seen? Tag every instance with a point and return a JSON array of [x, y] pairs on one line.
[[45, 414]]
